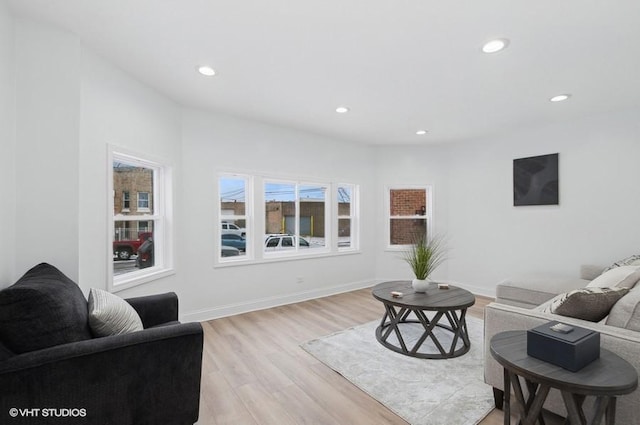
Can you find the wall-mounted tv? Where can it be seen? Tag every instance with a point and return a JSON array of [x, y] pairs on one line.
[[535, 180]]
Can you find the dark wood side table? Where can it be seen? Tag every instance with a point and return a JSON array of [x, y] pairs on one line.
[[450, 304], [606, 378]]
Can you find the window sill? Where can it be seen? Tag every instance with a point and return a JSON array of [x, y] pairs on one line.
[[282, 258], [397, 248], [133, 279]]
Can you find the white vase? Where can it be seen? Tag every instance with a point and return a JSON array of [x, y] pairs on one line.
[[420, 285]]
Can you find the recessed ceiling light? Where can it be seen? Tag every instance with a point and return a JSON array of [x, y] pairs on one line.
[[421, 132], [342, 109], [560, 98], [495, 46], [206, 71]]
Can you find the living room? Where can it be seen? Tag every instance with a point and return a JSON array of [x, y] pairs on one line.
[[62, 104]]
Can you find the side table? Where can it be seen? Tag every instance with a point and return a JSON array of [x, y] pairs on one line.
[[605, 379]]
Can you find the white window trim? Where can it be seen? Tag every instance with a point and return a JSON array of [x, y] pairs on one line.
[[353, 216], [387, 208], [162, 218], [143, 209], [256, 227]]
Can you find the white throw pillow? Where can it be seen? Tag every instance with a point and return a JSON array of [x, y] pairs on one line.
[[633, 260], [111, 315], [619, 277]]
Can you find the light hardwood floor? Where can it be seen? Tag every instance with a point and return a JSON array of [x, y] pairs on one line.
[[255, 373]]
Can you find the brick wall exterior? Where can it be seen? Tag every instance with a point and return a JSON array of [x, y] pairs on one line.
[[404, 232], [274, 217], [238, 208], [133, 180], [277, 211], [407, 202]]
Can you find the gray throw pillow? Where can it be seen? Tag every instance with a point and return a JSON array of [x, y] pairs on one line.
[[626, 312], [592, 304], [111, 315]]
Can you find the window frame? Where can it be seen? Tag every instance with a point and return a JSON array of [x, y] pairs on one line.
[[296, 251], [126, 201], [148, 202], [353, 217], [248, 218], [428, 216], [162, 219], [255, 220]]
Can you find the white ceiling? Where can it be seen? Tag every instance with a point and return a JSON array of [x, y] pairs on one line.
[[400, 65]]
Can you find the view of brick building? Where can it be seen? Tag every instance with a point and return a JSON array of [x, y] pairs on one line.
[[410, 203], [133, 195]]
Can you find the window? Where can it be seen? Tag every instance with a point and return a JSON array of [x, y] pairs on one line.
[[295, 212], [299, 218], [126, 202], [409, 212], [140, 239], [233, 215], [143, 202], [347, 217]]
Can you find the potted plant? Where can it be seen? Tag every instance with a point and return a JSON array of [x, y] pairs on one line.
[[424, 256]]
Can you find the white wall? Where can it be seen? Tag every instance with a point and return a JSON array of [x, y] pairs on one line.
[[490, 239], [70, 105], [118, 110], [214, 143], [7, 147], [46, 156], [595, 222]]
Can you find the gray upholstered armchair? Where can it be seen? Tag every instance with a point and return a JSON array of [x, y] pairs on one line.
[[53, 371]]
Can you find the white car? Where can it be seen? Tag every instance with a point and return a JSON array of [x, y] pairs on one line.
[[229, 251], [230, 228], [283, 242]]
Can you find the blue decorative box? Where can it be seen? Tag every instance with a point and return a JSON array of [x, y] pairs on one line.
[[572, 351]]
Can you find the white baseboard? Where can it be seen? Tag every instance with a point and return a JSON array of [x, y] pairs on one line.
[[269, 302]]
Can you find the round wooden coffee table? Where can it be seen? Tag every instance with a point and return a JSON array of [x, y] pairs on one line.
[[450, 308], [605, 379]]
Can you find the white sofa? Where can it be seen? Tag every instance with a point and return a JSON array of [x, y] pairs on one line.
[[517, 307]]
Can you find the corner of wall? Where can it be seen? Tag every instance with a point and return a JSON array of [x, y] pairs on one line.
[[7, 145]]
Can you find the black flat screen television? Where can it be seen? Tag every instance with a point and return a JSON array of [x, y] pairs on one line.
[[535, 180]]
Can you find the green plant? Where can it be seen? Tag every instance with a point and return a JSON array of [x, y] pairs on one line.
[[425, 255]]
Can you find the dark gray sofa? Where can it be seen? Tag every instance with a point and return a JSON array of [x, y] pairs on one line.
[[53, 371]]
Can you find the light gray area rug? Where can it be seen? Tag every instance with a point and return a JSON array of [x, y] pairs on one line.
[[422, 392]]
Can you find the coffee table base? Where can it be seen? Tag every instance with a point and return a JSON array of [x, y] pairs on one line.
[[394, 317]]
